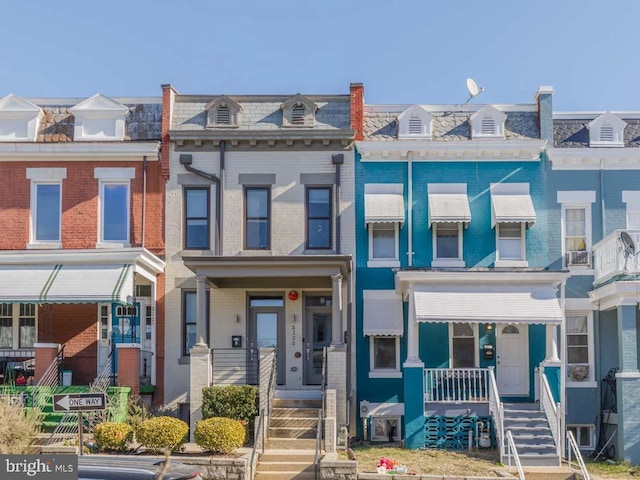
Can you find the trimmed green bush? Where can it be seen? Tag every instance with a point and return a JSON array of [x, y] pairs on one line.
[[220, 435], [113, 436], [159, 433], [239, 402]]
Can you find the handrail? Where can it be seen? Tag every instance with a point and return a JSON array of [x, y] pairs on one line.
[[513, 452], [259, 436], [551, 409], [573, 445], [271, 388], [496, 409], [316, 454], [455, 385], [323, 386]]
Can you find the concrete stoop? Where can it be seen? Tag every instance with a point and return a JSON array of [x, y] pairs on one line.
[[286, 465], [548, 473], [531, 435]]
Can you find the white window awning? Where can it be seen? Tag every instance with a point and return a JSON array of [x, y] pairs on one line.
[[383, 203], [66, 283], [532, 304], [448, 203], [511, 203], [382, 313]]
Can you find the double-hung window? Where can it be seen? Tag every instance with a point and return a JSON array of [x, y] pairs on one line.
[[383, 245], [196, 218], [579, 348], [385, 354], [115, 201], [46, 206], [257, 218], [463, 345], [319, 217], [576, 227], [510, 241], [17, 325], [448, 241], [189, 320]]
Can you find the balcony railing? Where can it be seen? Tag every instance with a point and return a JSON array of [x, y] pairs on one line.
[[456, 385], [611, 258]]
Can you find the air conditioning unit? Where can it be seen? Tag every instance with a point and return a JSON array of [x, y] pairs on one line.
[[577, 258]]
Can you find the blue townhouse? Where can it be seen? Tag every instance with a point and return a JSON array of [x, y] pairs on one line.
[[460, 287], [594, 230]]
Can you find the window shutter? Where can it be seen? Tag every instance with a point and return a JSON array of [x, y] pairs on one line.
[[415, 126], [488, 126], [223, 115], [606, 133], [297, 115]]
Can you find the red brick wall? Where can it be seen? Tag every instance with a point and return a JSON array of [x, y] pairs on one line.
[[76, 327], [357, 109], [80, 204]]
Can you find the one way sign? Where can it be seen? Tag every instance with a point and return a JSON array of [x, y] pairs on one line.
[[79, 402]]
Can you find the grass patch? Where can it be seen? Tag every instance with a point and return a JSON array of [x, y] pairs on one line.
[[432, 461], [613, 469]]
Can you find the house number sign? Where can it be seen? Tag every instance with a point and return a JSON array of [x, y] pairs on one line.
[[293, 334]]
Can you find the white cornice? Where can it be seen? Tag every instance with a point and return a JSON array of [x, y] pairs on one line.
[[487, 277], [117, 151], [460, 151], [616, 294], [594, 158], [139, 256]]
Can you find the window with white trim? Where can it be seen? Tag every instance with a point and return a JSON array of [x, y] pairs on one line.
[[385, 429], [46, 212], [114, 212], [18, 323], [383, 243], [385, 354], [463, 345], [576, 227], [632, 200], [511, 245], [579, 344], [584, 435], [447, 241]]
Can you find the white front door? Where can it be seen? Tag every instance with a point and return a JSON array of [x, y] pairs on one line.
[[104, 335], [512, 359]]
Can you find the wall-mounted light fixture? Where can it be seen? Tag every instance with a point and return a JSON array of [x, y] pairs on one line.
[[489, 326]]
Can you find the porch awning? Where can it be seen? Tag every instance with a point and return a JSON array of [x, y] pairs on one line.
[[383, 203], [533, 304], [382, 313], [448, 203], [66, 283], [512, 205]]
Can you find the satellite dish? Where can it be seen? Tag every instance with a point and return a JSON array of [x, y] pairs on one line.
[[628, 244], [473, 89]]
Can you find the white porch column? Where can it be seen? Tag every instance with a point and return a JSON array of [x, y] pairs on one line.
[[201, 317], [552, 345], [413, 336], [336, 310]]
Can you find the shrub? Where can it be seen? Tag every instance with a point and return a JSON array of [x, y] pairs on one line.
[[220, 435], [159, 433], [18, 427], [113, 436], [234, 401], [137, 411]]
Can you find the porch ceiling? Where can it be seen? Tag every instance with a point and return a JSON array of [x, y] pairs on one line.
[[273, 271]]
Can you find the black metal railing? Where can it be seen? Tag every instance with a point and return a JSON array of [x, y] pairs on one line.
[[146, 359], [235, 366]]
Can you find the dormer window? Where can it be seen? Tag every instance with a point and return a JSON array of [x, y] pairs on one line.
[[299, 111], [99, 118], [222, 113], [19, 119], [488, 122], [606, 131], [415, 122]]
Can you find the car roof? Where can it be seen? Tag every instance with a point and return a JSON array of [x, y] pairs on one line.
[[133, 467]]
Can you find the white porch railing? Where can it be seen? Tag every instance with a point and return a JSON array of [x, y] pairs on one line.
[[609, 256], [456, 385], [551, 410], [496, 409], [573, 447], [513, 453]]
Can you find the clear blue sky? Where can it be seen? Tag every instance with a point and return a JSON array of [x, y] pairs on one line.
[[406, 51]]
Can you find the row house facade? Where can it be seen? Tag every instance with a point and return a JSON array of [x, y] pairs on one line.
[[81, 269], [259, 239], [458, 294]]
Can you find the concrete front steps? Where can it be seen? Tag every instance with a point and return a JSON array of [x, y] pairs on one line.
[[547, 473], [286, 465], [531, 434], [291, 438]]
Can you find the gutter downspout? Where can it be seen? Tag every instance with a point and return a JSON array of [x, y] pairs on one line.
[[338, 216], [144, 196], [602, 211], [410, 209], [220, 199]]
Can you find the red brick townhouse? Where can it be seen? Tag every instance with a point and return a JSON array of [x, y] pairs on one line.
[[81, 238]]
